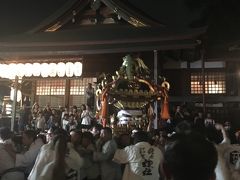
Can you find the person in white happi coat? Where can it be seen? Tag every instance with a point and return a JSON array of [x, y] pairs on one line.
[[228, 166], [190, 157], [232, 159], [106, 147], [209, 121], [143, 161], [87, 116], [86, 150], [48, 160], [7, 164], [40, 121], [28, 158]]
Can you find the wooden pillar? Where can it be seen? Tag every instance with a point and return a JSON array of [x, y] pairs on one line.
[[14, 103], [67, 93], [203, 81], [33, 92], [155, 53]]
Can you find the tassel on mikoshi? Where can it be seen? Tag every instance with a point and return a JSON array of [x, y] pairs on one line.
[[104, 111], [104, 122], [165, 110]]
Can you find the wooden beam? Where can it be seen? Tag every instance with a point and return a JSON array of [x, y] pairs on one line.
[[209, 99], [102, 35], [28, 51]]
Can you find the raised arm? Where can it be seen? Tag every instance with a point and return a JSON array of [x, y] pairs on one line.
[[225, 136]]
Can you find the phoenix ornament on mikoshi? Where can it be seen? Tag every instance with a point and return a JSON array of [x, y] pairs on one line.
[[131, 88]]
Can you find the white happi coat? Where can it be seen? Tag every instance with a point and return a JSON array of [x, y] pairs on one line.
[[90, 169], [109, 169], [44, 164], [221, 169], [228, 166], [7, 162], [28, 158], [142, 161], [232, 158]]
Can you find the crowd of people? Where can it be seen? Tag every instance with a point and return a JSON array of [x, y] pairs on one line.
[[71, 144], [45, 118]]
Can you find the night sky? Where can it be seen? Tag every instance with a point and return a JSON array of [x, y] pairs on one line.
[[17, 16]]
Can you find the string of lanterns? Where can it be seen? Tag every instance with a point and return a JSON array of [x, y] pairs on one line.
[[60, 69]]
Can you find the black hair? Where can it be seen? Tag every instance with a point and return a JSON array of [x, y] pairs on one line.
[[60, 147], [74, 107], [42, 137], [108, 130], [59, 136], [213, 135], [5, 133], [183, 127], [124, 134], [141, 136], [88, 135], [77, 131], [66, 115], [97, 126], [71, 115], [84, 107], [60, 131], [190, 157], [30, 134]]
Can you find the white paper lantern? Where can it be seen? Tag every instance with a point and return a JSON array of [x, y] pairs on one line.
[[36, 69], [53, 70], [61, 69], [12, 70], [28, 70], [77, 69], [1, 70], [45, 70], [19, 95], [20, 70], [69, 69], [5, 71]]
